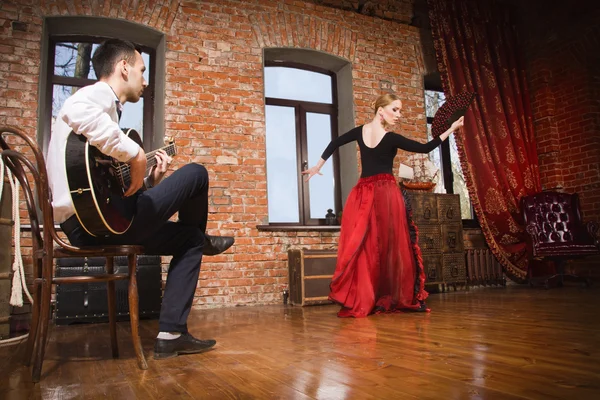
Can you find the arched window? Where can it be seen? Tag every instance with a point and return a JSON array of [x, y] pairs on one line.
[[303, 114], [69, 43]]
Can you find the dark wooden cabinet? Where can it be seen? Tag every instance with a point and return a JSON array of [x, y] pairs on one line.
[[439, 223], [310, 273]]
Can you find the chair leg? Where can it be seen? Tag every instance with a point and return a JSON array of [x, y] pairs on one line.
[[576, 278], [553, 281], [134, 312], [35, 322], [558, 279], [40, 345], [112, 307]]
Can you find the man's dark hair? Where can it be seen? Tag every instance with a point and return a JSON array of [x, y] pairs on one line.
[[111, 52]]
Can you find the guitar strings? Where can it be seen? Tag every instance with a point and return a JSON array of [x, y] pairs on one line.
[[124, 170]]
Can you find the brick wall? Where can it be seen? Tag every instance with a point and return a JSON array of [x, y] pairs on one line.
[[392, 10], [214, 105], [562, 48]]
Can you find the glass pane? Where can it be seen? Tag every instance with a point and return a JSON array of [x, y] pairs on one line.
[[436, 158], [60, 93], [433, 101], [460, 186], [146, 58], [297, 84], [74, 60], [282, 164], [133, 113], [66, 64], [133, 117], [321, 188]]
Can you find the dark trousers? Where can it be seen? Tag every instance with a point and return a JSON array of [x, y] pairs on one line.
[[185, 191]]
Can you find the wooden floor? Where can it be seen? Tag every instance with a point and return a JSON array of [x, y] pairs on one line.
[[494, 343]]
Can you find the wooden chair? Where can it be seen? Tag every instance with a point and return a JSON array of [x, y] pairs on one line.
[[557, 233], [26, 162]]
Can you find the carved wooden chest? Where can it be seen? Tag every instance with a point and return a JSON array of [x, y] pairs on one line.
[[439, 222], [310, 273]]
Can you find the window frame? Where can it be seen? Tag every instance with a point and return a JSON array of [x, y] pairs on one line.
[[74, 28], [301, 108]]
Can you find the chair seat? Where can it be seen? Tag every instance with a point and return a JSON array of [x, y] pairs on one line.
[[91, 278], [105, 251]]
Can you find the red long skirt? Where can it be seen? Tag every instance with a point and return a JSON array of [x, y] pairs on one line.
[[379, 268]]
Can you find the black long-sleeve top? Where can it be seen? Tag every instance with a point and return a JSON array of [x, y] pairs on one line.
[[379, 159]]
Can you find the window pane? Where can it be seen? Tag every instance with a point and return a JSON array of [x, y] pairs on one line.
[[146, 58], [297, 84], [133, 116], [133, 113], [433, 101], [436, 158], [282, 164], [321, 188], [460, 186], [74, 60], [66, 58], [60, 93]]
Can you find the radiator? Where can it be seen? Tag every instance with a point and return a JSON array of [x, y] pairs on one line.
[[483, 268]]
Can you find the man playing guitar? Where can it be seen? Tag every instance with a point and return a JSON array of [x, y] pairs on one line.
[[93, 112]]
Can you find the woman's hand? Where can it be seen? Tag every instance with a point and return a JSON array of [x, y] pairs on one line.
[[163, 160], [312, 171], [459, 123]]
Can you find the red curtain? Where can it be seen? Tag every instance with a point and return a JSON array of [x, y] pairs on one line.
[[476, 48]]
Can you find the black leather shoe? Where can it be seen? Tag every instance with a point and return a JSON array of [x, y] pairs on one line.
[[184, 344], [217, 244]]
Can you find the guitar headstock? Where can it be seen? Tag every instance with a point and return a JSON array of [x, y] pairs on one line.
[[169, 140]]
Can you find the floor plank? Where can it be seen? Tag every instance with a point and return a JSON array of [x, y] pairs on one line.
[[488, 343]]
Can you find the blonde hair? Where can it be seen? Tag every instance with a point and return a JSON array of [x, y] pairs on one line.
[[384, 100]]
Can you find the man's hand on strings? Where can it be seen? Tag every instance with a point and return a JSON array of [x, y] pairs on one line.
[[163, 160]]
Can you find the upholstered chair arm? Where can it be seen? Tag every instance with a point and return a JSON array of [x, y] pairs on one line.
[[592, 228], [531, 240], [532, 230]]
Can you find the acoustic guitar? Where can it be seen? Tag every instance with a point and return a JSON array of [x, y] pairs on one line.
[[97, 183]]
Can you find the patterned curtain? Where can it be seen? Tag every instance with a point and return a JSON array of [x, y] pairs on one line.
[[475, 45]]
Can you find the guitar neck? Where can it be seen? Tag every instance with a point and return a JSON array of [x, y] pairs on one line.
[[151, 160], [124, 170]]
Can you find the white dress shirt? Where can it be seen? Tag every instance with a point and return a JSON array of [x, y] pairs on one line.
[[92, 112]]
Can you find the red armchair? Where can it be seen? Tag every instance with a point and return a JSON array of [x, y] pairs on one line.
[[557, 233]]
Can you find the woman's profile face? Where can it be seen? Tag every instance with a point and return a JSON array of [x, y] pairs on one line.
[[392, 112]]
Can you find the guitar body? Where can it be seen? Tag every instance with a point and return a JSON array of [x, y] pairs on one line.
[[97, 187]]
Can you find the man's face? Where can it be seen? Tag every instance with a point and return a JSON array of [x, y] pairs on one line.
[[135, 78]]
